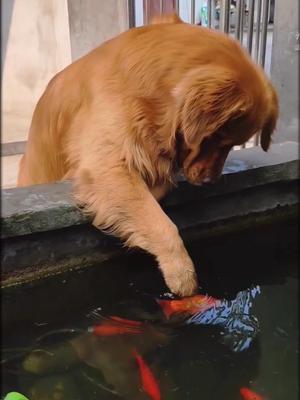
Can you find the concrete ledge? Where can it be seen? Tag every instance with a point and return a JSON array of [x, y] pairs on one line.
[[43, 232], [12, 148], [42, 208]]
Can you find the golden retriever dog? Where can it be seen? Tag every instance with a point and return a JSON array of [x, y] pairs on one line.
[[121, 121]]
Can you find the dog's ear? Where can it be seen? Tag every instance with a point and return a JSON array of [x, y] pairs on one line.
[[270, 122], [207, 97]]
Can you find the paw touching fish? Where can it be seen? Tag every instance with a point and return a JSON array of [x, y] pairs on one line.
[[126, 343], [239, 326], [187, 306]]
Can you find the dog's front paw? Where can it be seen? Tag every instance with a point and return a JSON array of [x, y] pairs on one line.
[[181, 280]]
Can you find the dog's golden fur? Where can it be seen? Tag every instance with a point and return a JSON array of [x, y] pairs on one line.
[[123, 119]]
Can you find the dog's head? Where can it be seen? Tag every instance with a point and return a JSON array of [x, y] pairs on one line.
[[218, 108]]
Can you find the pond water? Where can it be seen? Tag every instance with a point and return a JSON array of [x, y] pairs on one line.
[[50, 353]]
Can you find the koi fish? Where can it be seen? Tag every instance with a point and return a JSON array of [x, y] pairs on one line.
[[149, 383], [188, 305], [248, 394], [239, 326], [117, 326]]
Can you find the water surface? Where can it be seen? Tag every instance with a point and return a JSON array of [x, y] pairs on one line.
[[48, 353]]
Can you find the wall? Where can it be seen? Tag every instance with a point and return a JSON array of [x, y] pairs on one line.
[[93, 22], [38, 46], [41, 37]]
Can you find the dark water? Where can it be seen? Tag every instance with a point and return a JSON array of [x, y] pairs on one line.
[[45, 359]]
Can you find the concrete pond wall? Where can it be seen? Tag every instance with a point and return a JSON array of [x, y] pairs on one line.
[[44, 232]]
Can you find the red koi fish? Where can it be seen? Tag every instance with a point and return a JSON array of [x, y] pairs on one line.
[[149, 383], [117, 326], [188, 305], [248, 394]]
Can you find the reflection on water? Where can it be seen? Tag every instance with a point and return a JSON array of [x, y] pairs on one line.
[[138, 348], [239, 326]]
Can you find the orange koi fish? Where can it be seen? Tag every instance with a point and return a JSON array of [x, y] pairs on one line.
[[188, 305], [149, 383], [116, 326], [248, 394]]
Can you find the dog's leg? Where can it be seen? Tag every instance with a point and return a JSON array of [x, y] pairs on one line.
[[123, 205], [21, 179], [159, 192]]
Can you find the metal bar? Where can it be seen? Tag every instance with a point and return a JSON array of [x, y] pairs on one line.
[[225, 15], [161, 6], [146, 12], [209, 8], [257, 51], [264, 31], [177, 6], [13, 148], [192, 11], [261, 43], [242, 20], [213, 14], [239, 7], [131, 13], [250, 25], [258, 26]]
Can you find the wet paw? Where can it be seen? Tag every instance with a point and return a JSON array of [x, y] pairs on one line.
[[182, 281]]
